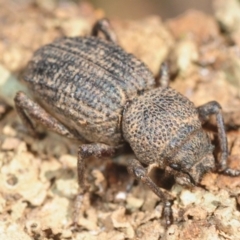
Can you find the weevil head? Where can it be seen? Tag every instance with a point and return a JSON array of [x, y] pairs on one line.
[[194, 158]]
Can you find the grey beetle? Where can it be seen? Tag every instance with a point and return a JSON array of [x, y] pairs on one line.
[[91, 90]]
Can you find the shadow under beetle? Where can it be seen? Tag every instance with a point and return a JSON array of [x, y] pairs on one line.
[[91, 90]]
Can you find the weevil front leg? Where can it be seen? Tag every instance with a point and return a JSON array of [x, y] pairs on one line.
[[104, 26], [214, 108], [84, 153], [140, 173]]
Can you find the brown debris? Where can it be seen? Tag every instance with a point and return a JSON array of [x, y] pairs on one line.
[[194, 24], [10, 143]]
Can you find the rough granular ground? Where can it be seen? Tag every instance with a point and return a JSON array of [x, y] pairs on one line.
[[38, 181]]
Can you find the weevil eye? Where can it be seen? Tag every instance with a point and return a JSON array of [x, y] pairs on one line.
[[175, 166]]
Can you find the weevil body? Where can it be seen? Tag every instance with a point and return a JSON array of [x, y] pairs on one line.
[[90, 89]]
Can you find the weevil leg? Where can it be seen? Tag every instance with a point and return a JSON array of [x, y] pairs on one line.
[[140, 173], [104, 26], [85, 151], [26, 109], [163, 77], [214, 108]]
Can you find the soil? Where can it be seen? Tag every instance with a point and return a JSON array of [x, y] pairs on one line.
[[38, 180]]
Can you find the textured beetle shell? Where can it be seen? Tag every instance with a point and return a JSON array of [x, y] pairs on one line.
[[159, 123], [85, 82]]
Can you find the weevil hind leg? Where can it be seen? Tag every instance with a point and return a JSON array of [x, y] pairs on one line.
[[141, 173], [104, 26], [214, 108], [28, 110]]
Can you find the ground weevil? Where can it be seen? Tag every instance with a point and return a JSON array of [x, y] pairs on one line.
[[95, 92]]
